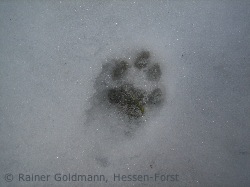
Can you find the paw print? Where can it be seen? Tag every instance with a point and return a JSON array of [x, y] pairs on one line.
[[131, 86]]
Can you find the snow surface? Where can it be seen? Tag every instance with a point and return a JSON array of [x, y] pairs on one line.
[[51, 53]]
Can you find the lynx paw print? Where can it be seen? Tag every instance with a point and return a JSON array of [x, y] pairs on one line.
[[132, 86]]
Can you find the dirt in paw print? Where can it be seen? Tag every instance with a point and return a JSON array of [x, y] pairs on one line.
[[142, 59], [120, 69], [128, 99]]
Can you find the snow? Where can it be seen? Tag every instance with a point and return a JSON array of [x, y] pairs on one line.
[[51, 53]]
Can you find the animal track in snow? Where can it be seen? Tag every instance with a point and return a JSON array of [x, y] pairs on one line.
[[128, 89], [128, 98]]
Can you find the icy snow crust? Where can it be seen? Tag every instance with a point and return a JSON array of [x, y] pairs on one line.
[[55, 113]]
